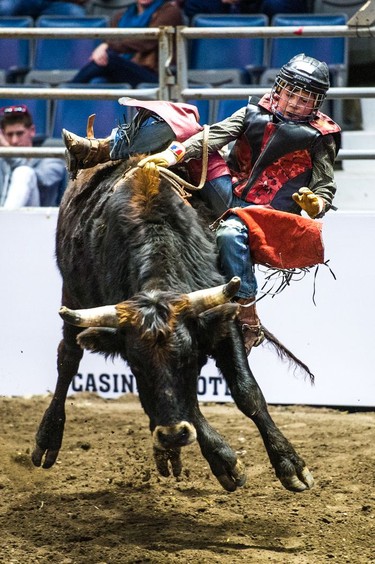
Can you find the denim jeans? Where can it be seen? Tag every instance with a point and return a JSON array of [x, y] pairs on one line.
[[232, 236], [217, 194], [36, 8], [117, 70]]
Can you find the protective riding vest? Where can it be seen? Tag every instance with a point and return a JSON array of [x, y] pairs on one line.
[[273, 159]]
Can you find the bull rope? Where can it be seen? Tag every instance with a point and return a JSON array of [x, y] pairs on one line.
[[179, 183]]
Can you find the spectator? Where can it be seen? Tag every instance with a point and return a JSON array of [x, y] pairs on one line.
[[131, 60], [36, 8], [26, 182]]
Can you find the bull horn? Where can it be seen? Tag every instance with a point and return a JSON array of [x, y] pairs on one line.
[[202, 300], [104, 316]]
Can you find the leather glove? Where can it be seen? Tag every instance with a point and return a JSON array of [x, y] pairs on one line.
[[169, 157], [308, 201]]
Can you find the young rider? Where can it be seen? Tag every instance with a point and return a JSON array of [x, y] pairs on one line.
[[282, 158]]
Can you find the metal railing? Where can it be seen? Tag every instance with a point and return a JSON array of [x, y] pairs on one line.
[[164, 36], [170, 86]]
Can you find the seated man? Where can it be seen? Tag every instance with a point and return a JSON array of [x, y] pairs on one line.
[[26, 182]]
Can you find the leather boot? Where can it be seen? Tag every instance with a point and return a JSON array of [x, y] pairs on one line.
[[251, 326], [83, 152]]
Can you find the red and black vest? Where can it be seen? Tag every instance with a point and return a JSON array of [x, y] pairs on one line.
[[272, 159]]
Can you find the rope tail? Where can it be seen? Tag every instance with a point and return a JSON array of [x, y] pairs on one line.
[[285, 354]]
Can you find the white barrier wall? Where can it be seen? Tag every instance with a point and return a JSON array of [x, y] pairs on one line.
[[335, 337]]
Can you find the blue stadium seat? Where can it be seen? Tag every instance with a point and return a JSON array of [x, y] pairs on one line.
[[332, 50], [57, 60], [214, 78], [15, 56], [65, 53], [226, 108], [73, 114], [246, 54], [204, 110]]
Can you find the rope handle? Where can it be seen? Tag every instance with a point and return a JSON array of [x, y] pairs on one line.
[[166, 173]]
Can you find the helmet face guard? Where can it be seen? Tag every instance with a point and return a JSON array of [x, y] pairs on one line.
[[300, 89]]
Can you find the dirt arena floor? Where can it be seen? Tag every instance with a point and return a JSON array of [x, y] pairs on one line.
[[103, 501]]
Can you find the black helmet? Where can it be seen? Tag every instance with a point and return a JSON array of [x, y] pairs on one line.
[[305, 77]]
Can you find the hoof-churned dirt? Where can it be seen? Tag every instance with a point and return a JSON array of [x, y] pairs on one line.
[[103, 502]]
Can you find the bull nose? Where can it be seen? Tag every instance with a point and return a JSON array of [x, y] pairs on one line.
[[172, 436]]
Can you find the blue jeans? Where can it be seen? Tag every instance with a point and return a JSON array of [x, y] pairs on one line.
[[232, 236], [36, 8], [217, 194], [117, 70]]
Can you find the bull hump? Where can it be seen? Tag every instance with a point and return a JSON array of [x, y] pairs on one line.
[[146, 181]]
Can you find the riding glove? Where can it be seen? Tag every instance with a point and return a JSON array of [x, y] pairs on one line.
[[308, 201], [169, 157]]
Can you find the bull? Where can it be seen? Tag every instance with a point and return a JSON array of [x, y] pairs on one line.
[[141, 280]]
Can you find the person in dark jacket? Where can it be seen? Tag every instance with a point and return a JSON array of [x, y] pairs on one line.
[[131, 60]]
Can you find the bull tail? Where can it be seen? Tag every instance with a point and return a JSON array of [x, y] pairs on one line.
[[285, 354]]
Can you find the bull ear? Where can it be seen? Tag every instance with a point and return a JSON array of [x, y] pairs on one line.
[[215, 325], [202, 300], [101, 339], [104, 316]]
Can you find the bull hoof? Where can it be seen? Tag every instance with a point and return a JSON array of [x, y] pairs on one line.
[[233, 480], [165, 457], [298, 483], [49, 460]]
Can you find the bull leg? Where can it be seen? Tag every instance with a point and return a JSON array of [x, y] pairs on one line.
[[289, 467], [222, 459], [51, 429]]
